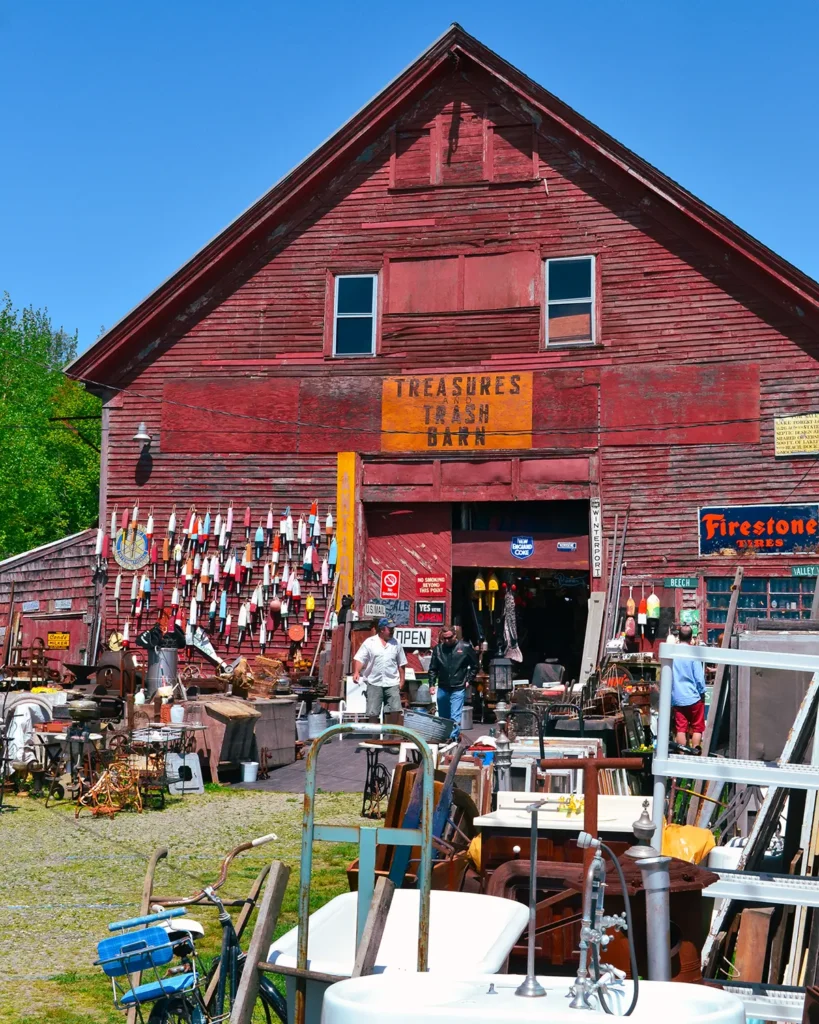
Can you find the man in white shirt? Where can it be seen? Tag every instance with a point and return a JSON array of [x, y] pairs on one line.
[[380, 662]]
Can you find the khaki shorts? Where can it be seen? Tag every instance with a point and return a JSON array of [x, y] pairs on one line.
[[389, 696]]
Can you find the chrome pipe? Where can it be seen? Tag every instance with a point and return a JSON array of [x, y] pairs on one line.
[[530, 986], [657, 885]]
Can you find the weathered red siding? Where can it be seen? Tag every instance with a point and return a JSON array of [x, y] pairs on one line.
[[58, 571], [670, 317]]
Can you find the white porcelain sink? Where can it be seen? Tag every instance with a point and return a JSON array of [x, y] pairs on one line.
[[437, 999]]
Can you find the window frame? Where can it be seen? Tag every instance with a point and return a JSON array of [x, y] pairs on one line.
[[792, 588], [547, 302], [336, 277]]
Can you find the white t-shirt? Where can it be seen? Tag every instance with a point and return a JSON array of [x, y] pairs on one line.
[[380, 661]]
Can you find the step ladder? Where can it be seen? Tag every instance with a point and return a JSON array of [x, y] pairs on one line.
[[778, 776]]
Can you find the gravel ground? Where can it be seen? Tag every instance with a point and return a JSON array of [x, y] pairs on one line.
[[64, 880]]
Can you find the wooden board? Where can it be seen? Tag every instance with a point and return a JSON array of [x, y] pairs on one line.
[[752, 943]]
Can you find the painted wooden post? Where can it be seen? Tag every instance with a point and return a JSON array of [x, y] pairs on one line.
[[242, 1009], [345, 522], [373, 928]]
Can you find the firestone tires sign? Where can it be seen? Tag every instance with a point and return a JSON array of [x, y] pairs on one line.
[[759, 529]]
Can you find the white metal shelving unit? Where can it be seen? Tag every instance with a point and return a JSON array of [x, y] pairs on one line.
[[756, 773], [766, 1002]]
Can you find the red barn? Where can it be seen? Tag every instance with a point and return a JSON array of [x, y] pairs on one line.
[[475, 328]]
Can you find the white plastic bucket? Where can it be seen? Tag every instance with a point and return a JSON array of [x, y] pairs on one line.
[[250, 771], [177, 714]]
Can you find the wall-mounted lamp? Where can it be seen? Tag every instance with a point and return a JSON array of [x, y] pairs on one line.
[[143, 436]]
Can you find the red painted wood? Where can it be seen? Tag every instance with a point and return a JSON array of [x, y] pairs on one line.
[[692, 326], [716, 404], [415, 539], [502, 281], [423, 286], [62, 571], [493, 550]]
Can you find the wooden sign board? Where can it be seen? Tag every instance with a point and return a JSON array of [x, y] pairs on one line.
[[449, 412], [796, 435], [58, 641]]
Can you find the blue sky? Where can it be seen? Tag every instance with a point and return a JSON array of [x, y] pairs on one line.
[[135, 130]]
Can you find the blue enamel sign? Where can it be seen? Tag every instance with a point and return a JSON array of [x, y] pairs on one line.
[[522, 547], [759, 529]]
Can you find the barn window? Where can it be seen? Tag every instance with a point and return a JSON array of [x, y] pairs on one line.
[[570, 301], [355, 314]]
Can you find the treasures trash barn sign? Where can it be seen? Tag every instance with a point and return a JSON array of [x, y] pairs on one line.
[[761, 529], [457, 411]]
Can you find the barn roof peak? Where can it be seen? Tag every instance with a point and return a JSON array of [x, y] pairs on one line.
[[134, 336]]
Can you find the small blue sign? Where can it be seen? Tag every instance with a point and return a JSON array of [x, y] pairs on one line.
[[522, 547], [567, 545]]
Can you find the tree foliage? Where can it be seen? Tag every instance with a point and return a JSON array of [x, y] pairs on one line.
[[49, 467]]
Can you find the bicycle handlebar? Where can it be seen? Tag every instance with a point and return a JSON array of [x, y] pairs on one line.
[[264, 839], [186, 901]]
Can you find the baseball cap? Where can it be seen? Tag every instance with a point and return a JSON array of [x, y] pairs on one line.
[[386, 622]]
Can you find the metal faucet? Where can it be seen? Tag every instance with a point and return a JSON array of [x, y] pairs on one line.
[[594, 929]]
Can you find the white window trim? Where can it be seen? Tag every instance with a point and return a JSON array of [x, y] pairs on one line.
[[568, 302], [347, 316]]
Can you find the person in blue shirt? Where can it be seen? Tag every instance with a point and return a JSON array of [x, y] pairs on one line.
[[688, 695]]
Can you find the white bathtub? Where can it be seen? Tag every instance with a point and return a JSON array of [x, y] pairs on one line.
[[469, 934]]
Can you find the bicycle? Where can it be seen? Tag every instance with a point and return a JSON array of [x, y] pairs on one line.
[[186, 994]]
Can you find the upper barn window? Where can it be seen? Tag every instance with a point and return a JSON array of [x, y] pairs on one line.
[[570, 298], [354, 314]]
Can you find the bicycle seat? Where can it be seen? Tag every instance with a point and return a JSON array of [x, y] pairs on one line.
[[157, 989]]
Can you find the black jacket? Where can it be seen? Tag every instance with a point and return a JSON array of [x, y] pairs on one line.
[[453, 667]]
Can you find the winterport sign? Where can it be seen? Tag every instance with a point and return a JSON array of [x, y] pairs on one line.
[[758, 529], [447, 412]]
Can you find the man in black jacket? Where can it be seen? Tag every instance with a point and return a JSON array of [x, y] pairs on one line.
[[452, 666]]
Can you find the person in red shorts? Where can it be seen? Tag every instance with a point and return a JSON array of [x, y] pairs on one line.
[[687, 696]]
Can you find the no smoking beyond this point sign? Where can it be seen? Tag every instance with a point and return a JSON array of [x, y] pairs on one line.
[[390, 582]]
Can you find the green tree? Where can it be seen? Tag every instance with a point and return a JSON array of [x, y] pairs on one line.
[[49, 435]]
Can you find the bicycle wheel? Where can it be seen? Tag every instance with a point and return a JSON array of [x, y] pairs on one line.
[[271, 999], [176, 1010]]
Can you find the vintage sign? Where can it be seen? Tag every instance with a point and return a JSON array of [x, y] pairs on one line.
[[390, 582], [131, 549], [681, 582], [430, 613], [522, 547], [446, 412], [398, 611], [565, 545], [414, 638], [797, 435], [760, 529], [596, 537], [430, 586], [31, 606], [58, 641], [63, 604], [805, 570]]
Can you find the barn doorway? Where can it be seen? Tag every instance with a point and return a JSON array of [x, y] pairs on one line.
[[551, 607]]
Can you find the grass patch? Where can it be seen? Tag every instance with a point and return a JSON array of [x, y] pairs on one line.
[[68, 879]]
